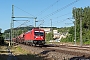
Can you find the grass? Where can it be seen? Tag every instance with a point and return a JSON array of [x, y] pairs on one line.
[[19, 50], [20, 53], [23, 54]]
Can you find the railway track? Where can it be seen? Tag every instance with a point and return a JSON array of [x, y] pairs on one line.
[[71, 50], [57, 51]]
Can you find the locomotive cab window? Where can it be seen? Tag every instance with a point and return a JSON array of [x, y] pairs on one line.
[[39, 33]]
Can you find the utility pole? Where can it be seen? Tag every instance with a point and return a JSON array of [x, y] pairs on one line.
[[12, 25], [35, 21], [51, 30], [75, 25], [81, 42]]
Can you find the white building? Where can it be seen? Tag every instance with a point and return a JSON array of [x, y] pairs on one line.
[[47, 30]]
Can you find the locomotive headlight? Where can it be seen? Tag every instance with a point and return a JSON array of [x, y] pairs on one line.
[[42, 37], [36, 36]]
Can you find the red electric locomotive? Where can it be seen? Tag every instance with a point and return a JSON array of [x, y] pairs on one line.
[[36, 37]]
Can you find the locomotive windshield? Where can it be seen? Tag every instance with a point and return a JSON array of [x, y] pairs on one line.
[[39, 33]]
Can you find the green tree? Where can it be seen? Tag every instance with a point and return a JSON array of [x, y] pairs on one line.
[[83, 13], [49, 36], [1, 39]]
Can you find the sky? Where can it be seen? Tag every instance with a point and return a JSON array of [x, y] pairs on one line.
[[57, 11]]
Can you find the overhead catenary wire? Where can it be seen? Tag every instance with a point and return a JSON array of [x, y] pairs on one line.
[[24, 23], [24, 11], [53, 13], [58, 10], [63, 15], [48, 7], [63, 20]]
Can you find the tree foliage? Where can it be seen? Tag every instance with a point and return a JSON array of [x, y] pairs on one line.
[[1, 39], [84, 15], [49, 36]]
